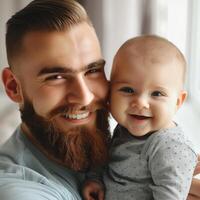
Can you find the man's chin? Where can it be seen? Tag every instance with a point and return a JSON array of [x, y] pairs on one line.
[[82, 149]]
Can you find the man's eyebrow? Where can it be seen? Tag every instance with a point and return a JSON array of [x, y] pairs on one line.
[[55, 69], [59, 69], [98, 63]]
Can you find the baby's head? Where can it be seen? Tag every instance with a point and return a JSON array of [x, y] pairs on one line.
[[147, 84]]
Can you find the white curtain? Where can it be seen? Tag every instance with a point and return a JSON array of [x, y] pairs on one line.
[[175, 20]]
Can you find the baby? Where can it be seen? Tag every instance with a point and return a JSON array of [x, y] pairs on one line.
[[150, 158]]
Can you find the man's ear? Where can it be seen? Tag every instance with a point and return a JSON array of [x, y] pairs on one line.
[[11, 85], [181, 98]]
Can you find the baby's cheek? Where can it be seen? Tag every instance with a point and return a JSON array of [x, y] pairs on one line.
[[118, 111]]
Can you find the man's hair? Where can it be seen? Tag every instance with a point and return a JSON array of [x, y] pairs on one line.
[[42, 15]]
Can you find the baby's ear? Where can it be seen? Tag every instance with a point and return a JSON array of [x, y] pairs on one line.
[[181, 98], [11, 85]]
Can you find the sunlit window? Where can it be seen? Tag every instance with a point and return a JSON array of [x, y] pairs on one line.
[[194, 55]]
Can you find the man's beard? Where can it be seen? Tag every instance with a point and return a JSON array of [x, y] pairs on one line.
[[79, 148]]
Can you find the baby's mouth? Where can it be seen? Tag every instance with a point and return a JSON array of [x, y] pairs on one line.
[[141, 117]]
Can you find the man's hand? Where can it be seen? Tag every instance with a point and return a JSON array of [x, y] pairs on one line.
[[93, 190], [194, 193]]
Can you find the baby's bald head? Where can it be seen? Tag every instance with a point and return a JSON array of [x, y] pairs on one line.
[[154, 50]]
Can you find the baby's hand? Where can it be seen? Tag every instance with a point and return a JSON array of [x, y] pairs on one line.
[[93, 190]]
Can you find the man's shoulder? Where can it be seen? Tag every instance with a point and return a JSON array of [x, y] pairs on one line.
[[15, 157], [19, 189], [13, 149], [25, 175], [18, 182]]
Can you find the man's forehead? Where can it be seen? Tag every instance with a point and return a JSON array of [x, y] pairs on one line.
[[60, 48], [82, 29]]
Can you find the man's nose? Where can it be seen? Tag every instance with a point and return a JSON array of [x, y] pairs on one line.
[[140, 102], [80, 92]]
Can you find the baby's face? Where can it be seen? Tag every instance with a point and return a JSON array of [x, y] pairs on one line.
[[145, 92]]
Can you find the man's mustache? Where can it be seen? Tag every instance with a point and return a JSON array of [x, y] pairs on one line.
[[72, 108]]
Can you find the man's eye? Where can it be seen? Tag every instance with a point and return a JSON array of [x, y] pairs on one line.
[[128, 90], [94, 70], [54, 77], [157, 94]]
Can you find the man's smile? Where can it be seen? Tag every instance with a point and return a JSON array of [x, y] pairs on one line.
[[78, 115], [79, 118]]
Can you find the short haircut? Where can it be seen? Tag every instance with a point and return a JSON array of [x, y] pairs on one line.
[[42, 15]]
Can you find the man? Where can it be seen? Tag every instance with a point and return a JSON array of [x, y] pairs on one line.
[[56, 76]]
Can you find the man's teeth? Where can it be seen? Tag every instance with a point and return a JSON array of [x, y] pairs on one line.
[[78, 116]]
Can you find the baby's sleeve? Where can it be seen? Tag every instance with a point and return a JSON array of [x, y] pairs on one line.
[[171, 164]]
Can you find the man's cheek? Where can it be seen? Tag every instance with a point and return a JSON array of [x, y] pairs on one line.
[[45, 100], [42, 106], [102, 88]]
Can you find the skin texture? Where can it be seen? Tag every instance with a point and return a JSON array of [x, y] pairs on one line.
[[146, 85]]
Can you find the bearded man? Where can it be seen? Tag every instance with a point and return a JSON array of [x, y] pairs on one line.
[[56, 76]]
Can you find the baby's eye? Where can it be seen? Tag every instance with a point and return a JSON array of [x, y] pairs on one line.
[[128, 90], [157, 94]]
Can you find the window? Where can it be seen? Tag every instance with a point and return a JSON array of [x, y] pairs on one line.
[[194, 56]]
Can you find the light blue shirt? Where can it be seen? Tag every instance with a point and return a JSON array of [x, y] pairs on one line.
[[26, 174]]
